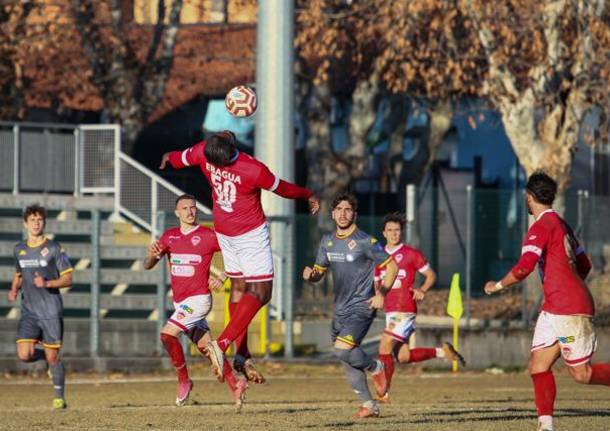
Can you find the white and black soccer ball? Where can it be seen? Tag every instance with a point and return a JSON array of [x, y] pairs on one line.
[[241, 101]]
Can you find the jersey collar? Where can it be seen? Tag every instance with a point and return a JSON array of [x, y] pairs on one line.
[[44, 241], [550, 210], [190, 231], [398, 247], [349, 232]]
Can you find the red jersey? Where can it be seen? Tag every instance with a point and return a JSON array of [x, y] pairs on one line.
[[409, 260], [237, 188], [189, 255], [562, 262]]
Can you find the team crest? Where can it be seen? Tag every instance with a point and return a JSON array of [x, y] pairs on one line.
[[44, 252], [195, 240], [22, 252], [398, 257], [180, 315], [352, 245]]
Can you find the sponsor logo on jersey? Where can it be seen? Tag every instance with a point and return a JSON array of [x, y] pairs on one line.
[[335, 257], [29, 263], [329, 244], [186, 308], [44, 252], [22, 252], [182, 270], [352, 245], [195, 240], [185, 259], [566, 340]]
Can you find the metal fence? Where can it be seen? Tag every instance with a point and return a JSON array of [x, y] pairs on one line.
[[474, 232], [58, 158]]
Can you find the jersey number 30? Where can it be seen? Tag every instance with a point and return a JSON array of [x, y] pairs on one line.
[[226, 193]]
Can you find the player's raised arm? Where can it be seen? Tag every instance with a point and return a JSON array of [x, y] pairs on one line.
[[268, 181], [192, 156]]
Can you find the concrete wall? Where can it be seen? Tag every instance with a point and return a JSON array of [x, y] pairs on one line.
[[122, 341]]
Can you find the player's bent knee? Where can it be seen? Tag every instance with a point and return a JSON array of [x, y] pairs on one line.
[[343, 354], [24, 356], [580, 375]]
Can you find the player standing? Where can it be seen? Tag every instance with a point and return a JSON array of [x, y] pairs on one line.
[[400, 304], [189, 248], [237, 180], [42, 267], [352, 256], [564, 327]]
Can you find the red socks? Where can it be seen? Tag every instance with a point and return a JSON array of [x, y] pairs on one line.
[[174, 350], [544, 392], [241, 342], [600, 374], [245, 311], [388, 364], [421, 354]]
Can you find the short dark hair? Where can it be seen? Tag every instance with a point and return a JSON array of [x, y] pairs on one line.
[[35, 209], [345, 196], [220, 148], [542, 187], [185, 196], [395, 217]]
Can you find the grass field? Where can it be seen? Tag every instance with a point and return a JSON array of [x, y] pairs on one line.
[[298, 398]]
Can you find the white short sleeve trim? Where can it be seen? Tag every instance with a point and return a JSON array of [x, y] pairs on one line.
[[184, 159], [276, 183], [531, 249], [424, 268]]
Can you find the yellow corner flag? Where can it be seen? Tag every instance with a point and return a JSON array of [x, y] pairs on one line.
[[454, 306], [455, 309]]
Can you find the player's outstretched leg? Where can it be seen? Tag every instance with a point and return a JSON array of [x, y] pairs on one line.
[[257, 294], [356, 362], [243, 362], [58, 374], [174, 350], [447, 351]]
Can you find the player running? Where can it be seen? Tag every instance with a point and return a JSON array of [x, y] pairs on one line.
[[352, 256], [190, 248], [400, 304], [42, 267], [237, 180], [564, 327]]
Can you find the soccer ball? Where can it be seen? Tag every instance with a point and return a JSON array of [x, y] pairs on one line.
[[241, 101]]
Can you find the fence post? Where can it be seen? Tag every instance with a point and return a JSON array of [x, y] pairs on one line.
[[288, 282], [160, 287], [94, 325], [77, 160], [411, 202], [16, 133], [470, 226]]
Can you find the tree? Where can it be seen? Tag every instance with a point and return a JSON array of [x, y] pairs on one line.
[[379, 50], [547, 65], [90, 55]]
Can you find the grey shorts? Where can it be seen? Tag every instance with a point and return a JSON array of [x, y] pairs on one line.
[[351, 328], [32, 329]]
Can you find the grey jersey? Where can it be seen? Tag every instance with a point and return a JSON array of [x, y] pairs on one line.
[[50, 261], [352, 261]]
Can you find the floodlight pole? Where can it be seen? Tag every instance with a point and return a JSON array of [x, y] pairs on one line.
[[274, 142]]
